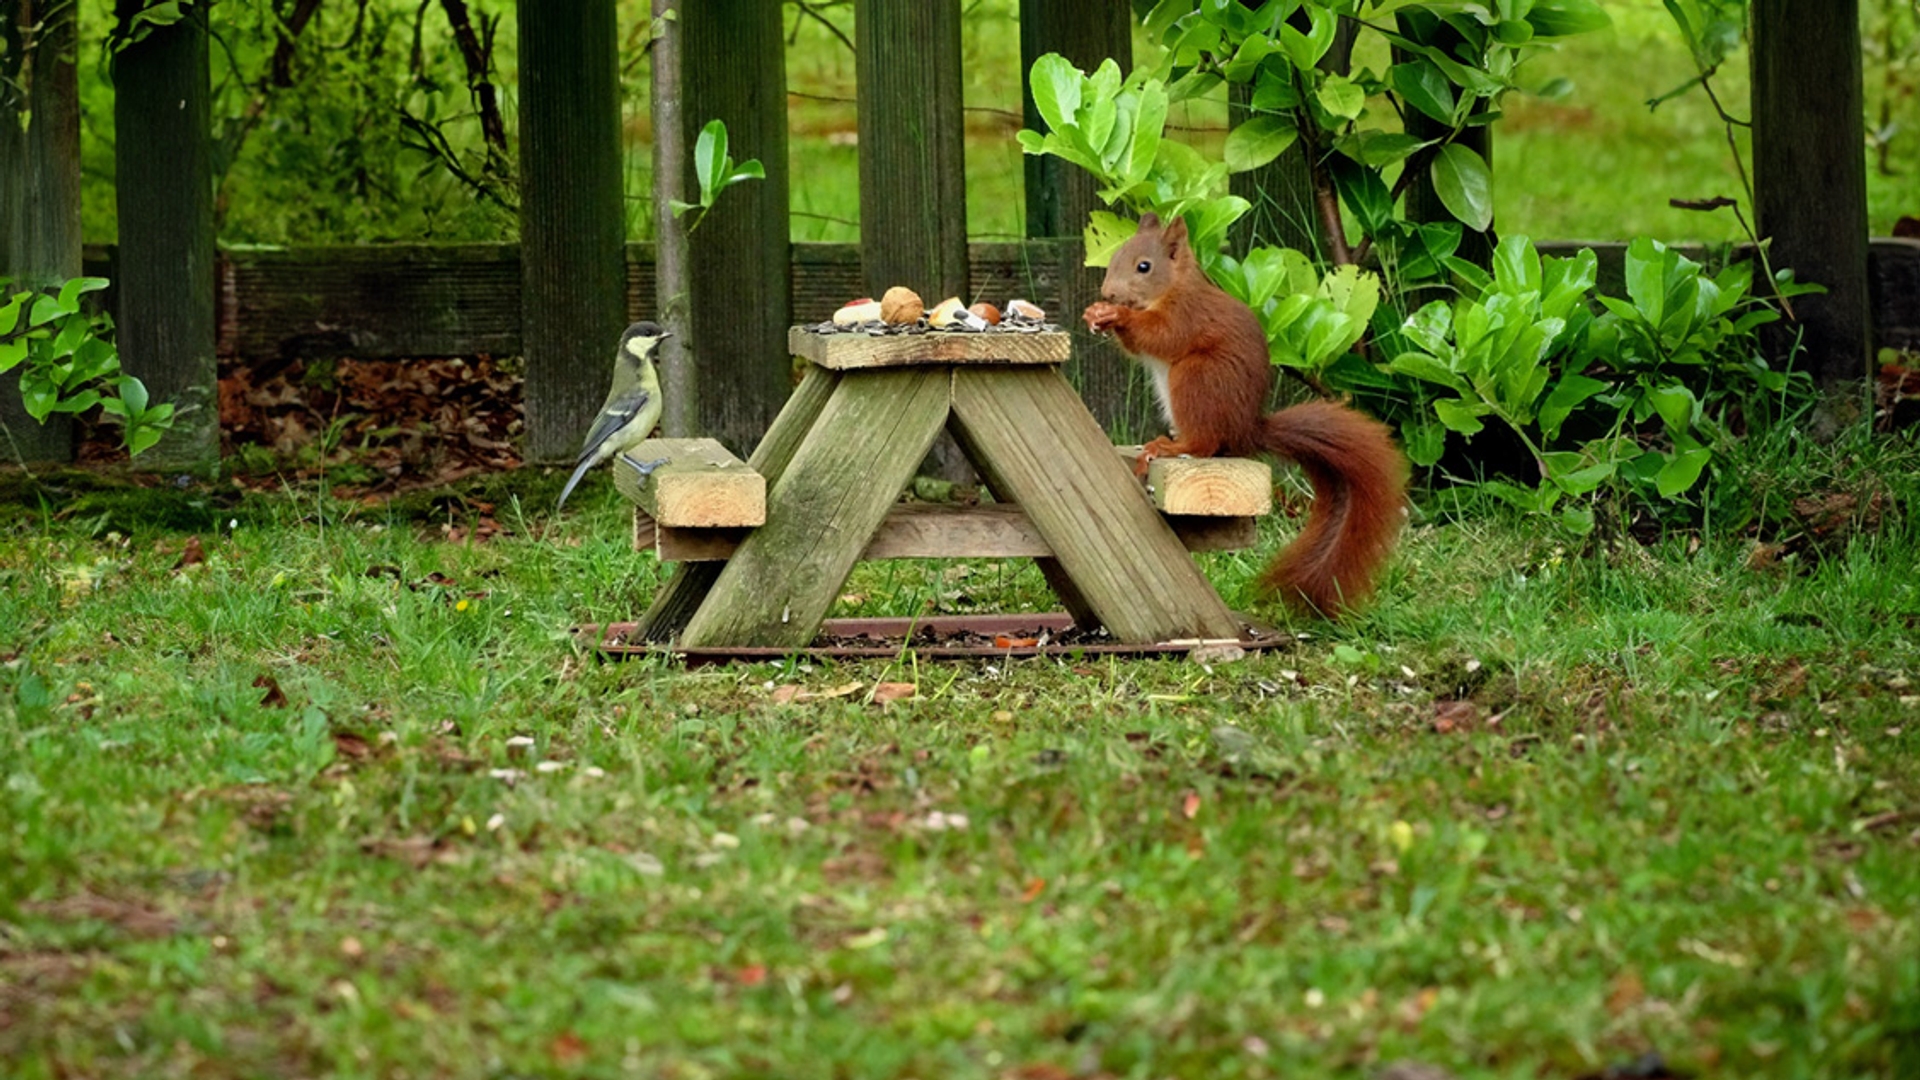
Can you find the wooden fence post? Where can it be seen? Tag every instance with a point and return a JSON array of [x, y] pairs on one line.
[[1060, 195], [734, 68], [1810, 175], [913, 181], [39, 188], [163, 191], [573, 271]]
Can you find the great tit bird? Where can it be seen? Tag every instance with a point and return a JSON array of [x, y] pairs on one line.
[[632, 408]]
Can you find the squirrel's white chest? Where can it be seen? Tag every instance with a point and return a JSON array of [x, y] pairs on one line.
[[1159, 370]]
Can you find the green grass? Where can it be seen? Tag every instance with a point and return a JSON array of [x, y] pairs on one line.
[[1668, 816]]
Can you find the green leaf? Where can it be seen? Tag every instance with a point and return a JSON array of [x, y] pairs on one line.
[[1195, 84], [134, 393], [1648, 262], [1563, 18], [142, 438], [750, 169], [11, 353], [1577, 520], [1424, 87], [709, 159], [78, 403], [93, 359], [1675, 404], [74, 288], [1378, 148], [1305, 50], [1056, 87], [1430, 326], [680, 206], [1258, 141], [1460, 415], [1149, 121], [1424, 441], [1568, 394], [1682, 471], [1465, 185], [1570, 473], [1365, 193], [1246, 61], [1105, 232], [1516, 266], [1273, 92], [1514, 32], [1340, 96], [1427, 368], [38, 393], [45, 310]]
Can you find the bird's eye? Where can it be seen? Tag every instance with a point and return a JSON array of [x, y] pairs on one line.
[[1142, 266]]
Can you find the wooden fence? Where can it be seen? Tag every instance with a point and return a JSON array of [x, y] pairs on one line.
[[424, 300], [555, 300]]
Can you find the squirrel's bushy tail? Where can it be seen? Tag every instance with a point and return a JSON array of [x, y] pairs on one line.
[[1359, 496]]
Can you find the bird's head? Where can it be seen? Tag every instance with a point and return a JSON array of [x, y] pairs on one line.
[[640, 341]]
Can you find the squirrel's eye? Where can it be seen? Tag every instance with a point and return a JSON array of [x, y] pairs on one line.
[[1142, 266]]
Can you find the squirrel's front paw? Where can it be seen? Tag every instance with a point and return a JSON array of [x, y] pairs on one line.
[[1101, 316]]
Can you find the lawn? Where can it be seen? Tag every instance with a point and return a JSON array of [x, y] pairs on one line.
[[335, 792]]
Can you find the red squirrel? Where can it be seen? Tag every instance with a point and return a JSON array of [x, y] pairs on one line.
[[1208, 357]]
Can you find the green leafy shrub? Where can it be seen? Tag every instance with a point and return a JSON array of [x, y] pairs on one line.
[[70, 363], [1625, 396], [1637, 398]]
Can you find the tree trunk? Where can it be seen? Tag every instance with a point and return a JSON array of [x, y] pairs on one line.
[[39, 190], [679, 382], [572, 217], [163, 188]]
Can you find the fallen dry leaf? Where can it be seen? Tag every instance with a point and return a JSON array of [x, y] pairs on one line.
[[791, 693], [568, 1049], [191, 555], [886, 692], [1452, 716], [274, 698], [351, 746], [1190, 805]]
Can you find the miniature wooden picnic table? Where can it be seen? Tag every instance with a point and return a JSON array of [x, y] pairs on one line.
[[853, 434]]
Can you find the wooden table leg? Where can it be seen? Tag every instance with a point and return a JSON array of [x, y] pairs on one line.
[[824, 508], [1032, 438], [1084, 617], [680, 597]]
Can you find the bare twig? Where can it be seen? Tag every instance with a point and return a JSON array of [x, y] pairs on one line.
[[479, 61], [433, 142], [811, 11], [288, 33]]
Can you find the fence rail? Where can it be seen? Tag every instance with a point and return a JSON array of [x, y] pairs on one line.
[[420, 300]]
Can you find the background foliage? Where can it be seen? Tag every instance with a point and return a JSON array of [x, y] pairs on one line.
[[355, 145]]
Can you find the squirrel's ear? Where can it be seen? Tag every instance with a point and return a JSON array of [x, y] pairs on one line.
[[1175, 235], [1149, 220]]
